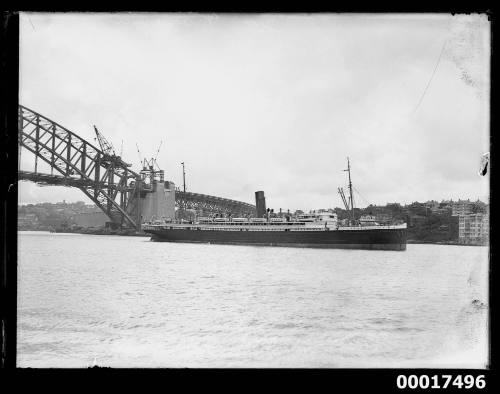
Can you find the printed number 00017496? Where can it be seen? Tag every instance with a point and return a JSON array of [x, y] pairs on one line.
[[440, 381]]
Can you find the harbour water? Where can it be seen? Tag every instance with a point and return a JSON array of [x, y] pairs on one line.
[[127, 302]]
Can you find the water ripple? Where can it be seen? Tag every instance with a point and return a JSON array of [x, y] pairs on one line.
[[133, 303]]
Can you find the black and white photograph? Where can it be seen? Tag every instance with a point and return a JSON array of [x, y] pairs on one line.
[[253, 190]]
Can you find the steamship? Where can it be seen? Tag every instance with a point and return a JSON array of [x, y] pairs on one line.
[[320, 229]]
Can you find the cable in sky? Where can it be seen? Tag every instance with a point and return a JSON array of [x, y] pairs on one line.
[[437, 64], [364, 199], [33, 26], [432, 76]]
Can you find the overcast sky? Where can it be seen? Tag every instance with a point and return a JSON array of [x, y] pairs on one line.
[[271, 102]]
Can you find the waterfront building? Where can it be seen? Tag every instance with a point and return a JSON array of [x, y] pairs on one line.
[[473, 229]]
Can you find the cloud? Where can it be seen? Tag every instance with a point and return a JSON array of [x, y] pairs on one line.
[[272, 102]]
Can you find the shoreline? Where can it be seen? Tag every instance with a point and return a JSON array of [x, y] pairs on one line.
[[414, 242], [132, 233]]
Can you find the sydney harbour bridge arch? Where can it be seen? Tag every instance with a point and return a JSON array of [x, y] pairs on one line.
[[125, 196]]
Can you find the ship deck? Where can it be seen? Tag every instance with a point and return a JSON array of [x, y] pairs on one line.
[[264, 227]]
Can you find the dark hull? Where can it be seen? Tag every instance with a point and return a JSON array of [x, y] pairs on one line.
[[378, 239]]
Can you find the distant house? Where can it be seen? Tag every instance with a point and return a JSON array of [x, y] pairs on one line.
[[383, 218], [367, 220], [462, 207], [27, 221], [432, 205]]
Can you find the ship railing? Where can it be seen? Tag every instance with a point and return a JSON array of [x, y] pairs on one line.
[[234, 228], [251, 229], [395, 226]]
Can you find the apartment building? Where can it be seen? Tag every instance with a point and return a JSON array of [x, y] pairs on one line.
[[473, 229]]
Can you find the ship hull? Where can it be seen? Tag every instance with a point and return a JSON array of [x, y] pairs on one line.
[[373, 239]]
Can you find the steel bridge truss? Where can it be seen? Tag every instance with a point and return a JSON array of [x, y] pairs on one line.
[[212, 204], [104, 178]]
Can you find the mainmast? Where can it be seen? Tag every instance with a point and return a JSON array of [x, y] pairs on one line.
[[351, 199]]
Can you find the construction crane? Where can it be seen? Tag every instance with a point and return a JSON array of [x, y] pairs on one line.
[[106, 147], [149, 164], [148, 167], [158, 151], [109, 151]]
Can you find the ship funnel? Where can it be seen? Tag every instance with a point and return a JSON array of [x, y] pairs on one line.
[[260, 204]]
